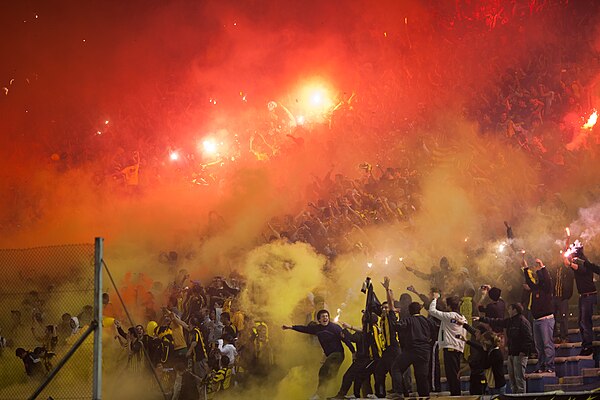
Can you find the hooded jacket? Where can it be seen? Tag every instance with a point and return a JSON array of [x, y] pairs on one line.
[[452, 325]]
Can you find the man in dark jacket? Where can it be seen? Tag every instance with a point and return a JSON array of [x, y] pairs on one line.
[[477, 380], [330, 338], [520, 342], [417, 332], [542, 312], [368, 352], [563, 290], [588, 296], [495, 308]]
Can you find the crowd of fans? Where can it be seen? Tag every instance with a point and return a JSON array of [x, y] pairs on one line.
[[395, 335], [196, 340]]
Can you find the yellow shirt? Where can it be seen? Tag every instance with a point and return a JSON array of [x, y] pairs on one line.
[[178, 338]]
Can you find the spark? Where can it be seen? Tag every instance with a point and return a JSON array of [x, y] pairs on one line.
[[384, 34], [568, 231], [501, 247], [369, 264], [300, 120], [337, 317], [466, 239], [591, 121], [98, 132], [174, 156], [106, 122]]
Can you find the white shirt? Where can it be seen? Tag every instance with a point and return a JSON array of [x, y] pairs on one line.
[[228, 350], [450, 328]]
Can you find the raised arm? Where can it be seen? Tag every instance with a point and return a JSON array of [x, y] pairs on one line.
[[389, 293], [434, 312]]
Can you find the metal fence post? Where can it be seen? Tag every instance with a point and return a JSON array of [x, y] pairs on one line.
[[98, 255]]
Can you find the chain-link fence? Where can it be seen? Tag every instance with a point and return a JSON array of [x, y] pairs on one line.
[[46, 304]]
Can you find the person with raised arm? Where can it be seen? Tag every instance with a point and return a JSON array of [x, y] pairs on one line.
[[330, 338], [451, 330]]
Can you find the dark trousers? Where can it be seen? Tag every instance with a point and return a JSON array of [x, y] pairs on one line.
[[329, 370], [586, 310], [435, 377], [358, 374], [452, 366], [419, 359], [388, 358], [561, 315], [477, 383]]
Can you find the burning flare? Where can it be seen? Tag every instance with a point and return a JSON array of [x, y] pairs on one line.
[[337, 316], [591, 121]]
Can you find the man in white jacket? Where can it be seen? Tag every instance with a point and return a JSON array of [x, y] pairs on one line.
[[451, 330]]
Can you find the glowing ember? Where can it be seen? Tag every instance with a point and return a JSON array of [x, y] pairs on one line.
[[106, 122], [337, 317], [568, 231], [369, 264], [174, 156], [591, 121], [466, 239], [501, 247]]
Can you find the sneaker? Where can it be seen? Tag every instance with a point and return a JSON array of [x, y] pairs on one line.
[[586, 351], [315, 397], [371, 396]]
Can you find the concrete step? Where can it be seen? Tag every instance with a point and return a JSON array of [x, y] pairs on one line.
[[590, 372], [565, 387], [574, 319], [591, 376], [575, 336], [573, 331], [536, 383], [565, 366], [571, 380]]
